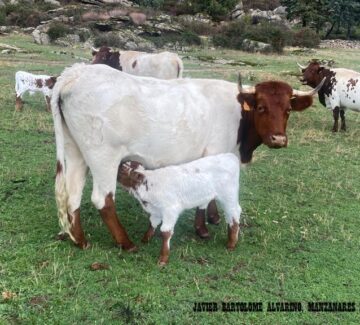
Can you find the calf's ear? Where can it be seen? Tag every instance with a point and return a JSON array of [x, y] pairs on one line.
[[299, 103], [247, 101]]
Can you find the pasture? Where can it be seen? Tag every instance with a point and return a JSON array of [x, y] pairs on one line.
[[300, 233]]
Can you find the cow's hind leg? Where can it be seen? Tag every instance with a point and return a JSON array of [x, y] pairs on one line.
[[75, 175], [336, 119], [104, 186], [212, 213], [342, 116], [200, 226], [232, 214]]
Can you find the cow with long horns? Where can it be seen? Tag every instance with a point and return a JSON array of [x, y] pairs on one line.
[[103, 117], [341, 89]]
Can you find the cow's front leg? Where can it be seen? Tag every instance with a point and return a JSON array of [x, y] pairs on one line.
[[118, 232], [336, 119], [19, 104], [200, 227], [48, 101], [342, 116], [212, 213]]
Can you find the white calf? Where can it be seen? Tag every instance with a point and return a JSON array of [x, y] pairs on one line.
[[25, 81], [168, 191]]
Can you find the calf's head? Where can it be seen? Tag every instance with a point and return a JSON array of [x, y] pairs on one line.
[[130, 175], [106, 56], [266, 107]]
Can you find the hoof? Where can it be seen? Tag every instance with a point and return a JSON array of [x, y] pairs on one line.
[[230, 247], [203, 233], [130, 249], [84, 245], [62, 236], [214, 219], [163, 261]]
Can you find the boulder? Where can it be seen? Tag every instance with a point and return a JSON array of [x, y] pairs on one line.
[[40, 34], [280, 11], [68, 40], [255, 46], [53, 2], [137, 18]]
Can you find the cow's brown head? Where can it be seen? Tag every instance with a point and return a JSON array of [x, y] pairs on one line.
[[130, 176], [106, 56], [313, 74], [265, 112]]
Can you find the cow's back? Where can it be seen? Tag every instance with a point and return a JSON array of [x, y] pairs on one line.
[[155, 121]]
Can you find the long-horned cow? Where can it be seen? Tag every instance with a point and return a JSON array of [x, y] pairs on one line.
[[103, 117], [163, 65], [340, 91]]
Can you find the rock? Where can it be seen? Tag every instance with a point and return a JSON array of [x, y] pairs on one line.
[[237, 12], [93, 16], [118, 13], [137, 18], [53, 2], [125, 3], [2, 4], [255, 46], [28, 30], [281, 11], [40, 34], [68, 40]]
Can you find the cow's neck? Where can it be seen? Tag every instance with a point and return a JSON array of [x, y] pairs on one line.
[[328, 85], [248, 138]]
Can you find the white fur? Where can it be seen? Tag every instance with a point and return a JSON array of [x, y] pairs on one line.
[[111, 116], [343, 96], [164, 65], [166, 192]]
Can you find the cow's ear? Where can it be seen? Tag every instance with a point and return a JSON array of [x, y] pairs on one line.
[[247, 101], [94, 52], [299, 103]]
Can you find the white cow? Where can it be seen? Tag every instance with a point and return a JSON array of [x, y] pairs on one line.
[[166, 192], [103, 116], [28, 82], [340, 91], [164, 65]]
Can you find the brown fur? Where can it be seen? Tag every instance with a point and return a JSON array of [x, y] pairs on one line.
[[19, 104], [39, 83], [134, 64], [108, 214], [76, 229], [128, 177], [106, 56], [50, 83], [59, 167]]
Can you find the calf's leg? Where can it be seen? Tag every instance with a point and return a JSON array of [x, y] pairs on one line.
[[48, 100], [200, 227], [19, 104], [212, 213], [232, 214], [167, 229], [336, 119], [342, 116], [154, 222]]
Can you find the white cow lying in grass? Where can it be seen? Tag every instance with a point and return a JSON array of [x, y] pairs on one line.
[[25, 81], [168, 191]]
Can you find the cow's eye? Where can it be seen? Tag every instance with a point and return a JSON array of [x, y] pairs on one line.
[[261, 109]]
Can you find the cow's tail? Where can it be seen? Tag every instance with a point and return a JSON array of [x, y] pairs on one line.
[[61, 193], [180, 68]]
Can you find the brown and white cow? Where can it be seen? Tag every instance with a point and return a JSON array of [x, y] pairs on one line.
[[340, 91], [103, 117], [32, 83], [164, 65]]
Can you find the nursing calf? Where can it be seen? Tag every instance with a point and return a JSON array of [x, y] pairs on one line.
[[28, 82], [340, 91], [166, 192]]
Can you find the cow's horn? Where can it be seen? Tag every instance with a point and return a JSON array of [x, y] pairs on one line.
[[247, 90], [311, 92], [94, 49], [300, 66]]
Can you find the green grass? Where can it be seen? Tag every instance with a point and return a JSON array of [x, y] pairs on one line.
[[300, 224]]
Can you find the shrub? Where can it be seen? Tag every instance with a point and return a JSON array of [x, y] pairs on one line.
[[108, 39], [199, 28], [156, 4], [57, 30], [185, 38], [233, 34], [261, 4], [306, 37]]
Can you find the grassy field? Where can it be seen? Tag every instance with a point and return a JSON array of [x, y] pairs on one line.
[[300, 224]]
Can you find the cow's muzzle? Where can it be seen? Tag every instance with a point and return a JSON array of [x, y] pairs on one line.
[[277, 141]]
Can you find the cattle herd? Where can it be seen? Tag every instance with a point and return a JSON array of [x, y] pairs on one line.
[[173, 143]]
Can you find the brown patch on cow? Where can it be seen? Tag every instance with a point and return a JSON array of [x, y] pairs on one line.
[[50, 82], [108, 57], [129, 177], [200, 227], [39, 83], [118, 232], [213, 216], [313, 74], [76, 229], [351, 83], [134, 64], [59, 167]]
